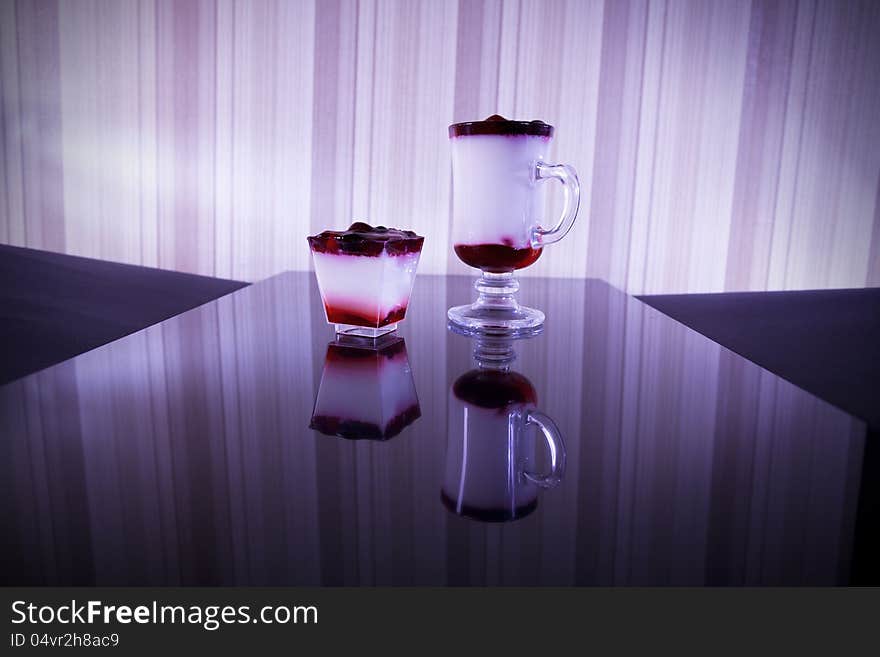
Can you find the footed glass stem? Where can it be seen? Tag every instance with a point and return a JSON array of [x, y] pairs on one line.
[[496, 310], [494, 353]]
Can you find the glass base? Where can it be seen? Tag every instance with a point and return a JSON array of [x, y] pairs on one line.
[[369, 343], [365, 331], [496, 310]]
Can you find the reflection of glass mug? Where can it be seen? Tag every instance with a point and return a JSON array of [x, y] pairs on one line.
[[491, 447], [497, 213]]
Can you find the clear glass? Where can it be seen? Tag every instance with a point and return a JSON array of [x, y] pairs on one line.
[[492, 431], [496, 310], [497, 224], [365, 296], [365, 331]]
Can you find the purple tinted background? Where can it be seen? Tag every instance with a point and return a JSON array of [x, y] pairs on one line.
[[721, 145]]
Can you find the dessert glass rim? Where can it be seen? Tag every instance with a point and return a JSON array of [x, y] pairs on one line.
[[498, 125], [350, 241]]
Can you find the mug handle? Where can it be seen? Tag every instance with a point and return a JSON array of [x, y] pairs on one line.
[[571, 190], [557, 451]]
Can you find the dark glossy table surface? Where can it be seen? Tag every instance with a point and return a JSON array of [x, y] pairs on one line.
[[825, 341], [54, 306], [183, 454]]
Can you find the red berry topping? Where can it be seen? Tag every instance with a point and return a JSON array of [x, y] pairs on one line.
[[365, 240]]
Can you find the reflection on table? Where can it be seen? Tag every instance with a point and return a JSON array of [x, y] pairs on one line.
[[367, 390], [181, 454], [492, 432]]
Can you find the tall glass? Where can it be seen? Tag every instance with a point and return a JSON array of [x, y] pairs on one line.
[[498, 200]]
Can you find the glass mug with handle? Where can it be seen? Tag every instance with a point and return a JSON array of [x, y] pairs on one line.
[[498, 167], [490, 470]]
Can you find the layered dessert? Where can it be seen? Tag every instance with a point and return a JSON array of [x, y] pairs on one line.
[[496, 204], [366, 393], [366, 275], [484, 452]]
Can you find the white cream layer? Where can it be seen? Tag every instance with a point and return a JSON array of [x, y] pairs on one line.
[[484, 460], [494, 195], [369, 285], [370, 390]]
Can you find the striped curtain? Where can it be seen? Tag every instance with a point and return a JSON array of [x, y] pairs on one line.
[[722, 145]]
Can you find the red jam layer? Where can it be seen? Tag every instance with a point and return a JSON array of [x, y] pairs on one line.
[[356, 430], [498, 125], [337, 315], [496, 258], [494, 389], [362, 239], [489, 514]]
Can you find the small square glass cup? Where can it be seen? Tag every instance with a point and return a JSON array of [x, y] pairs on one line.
[[365, 277]]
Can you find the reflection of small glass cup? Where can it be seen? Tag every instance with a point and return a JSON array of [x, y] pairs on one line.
[[365, 276], [497, 167], [491, 447], [367, 391]]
